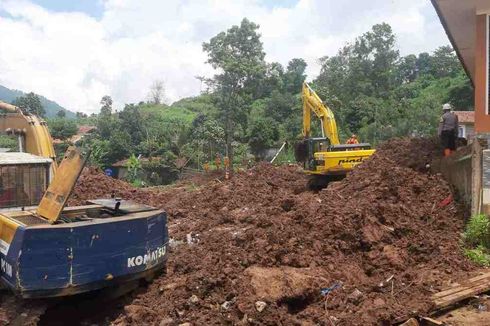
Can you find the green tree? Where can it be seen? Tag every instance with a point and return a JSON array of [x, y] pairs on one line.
[[99, 155], [61, 128], [238, 55], [424, 63], [9, 142], [106, 121], [32, 103], [81, 115], [375, 93], [295, 75], [273, 80], [262, 134], [61, 114], [119, 146], [132, 122], [281, 105], [407, 70], [444, 62], [134, 168], [461, 94], [106, 105]]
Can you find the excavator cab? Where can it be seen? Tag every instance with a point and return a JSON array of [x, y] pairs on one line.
[[312, 146], [23, 179]]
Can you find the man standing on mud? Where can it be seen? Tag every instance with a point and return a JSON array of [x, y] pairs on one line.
[[448, 129]]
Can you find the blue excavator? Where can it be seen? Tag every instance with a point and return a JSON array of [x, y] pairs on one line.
[[48, 249]]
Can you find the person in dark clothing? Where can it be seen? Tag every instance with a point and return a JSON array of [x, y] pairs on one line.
[[448, 129]]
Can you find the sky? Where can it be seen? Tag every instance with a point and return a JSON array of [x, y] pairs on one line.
[[75, 52]]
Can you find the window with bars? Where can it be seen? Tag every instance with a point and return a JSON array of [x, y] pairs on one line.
[[22, 185]]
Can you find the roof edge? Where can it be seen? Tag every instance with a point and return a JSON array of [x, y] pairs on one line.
[[451, 39]]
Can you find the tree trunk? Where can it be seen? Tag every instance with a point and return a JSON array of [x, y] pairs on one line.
[[229, 140]]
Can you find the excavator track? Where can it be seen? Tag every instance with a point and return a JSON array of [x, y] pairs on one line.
[[318, 182]]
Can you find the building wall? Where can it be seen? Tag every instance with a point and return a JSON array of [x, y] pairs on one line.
[[482, 119], [469, 131]]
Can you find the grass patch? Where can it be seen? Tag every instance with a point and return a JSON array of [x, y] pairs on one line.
[[479, 255], [477, 240]]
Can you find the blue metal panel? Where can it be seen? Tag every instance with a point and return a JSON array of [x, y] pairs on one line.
[[86, 255], [103, 249], [44, 262]]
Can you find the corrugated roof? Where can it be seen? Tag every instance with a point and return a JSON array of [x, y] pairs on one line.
[[465, 116], [15, 158]]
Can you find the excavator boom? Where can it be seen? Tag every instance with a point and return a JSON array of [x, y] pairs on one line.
[[313, 103], [32, 131]]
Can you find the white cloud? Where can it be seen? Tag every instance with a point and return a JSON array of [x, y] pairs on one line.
[[75, 59]]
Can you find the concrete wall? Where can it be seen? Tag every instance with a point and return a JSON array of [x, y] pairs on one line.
[[457, 170], [465, 171], [485, 192]]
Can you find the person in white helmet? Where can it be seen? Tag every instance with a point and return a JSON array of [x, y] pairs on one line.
[[448, 129]]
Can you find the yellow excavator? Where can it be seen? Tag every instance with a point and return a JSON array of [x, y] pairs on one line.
[[50, 250], [324, 158]]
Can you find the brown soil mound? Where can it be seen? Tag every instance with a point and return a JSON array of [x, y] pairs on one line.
[[414, 153], [93, 184], [259, 249]]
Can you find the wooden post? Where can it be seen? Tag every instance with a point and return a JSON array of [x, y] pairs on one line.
[[279, 151]]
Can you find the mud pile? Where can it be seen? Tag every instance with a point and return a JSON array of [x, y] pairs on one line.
[[260, 249], [93, 184]]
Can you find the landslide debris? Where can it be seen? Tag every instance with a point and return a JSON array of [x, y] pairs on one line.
[[368, 250]]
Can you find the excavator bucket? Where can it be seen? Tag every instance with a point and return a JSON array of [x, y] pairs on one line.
[[59, 190]]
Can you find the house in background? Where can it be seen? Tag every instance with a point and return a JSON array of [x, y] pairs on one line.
[[466, 124]]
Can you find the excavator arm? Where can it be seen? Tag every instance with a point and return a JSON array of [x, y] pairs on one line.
[[32, 131], [313, 103]]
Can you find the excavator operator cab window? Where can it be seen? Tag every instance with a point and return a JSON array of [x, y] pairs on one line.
[[316, 145], [8, 143], [22, 184], [320, 145]]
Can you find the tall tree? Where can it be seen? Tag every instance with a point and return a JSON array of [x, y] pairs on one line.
[[407, 70], [61, 114], [157, 93], [295, 75], [31, 103], [105, 120], [444, 62], [106, 105], [132, 122], [238, 55]]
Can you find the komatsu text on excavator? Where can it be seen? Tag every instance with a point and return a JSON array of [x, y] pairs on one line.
[[324, 158]]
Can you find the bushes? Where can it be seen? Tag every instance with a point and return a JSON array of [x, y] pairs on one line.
[[477, 239]]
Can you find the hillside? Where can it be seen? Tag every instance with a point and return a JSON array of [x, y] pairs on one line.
[[51, 107]]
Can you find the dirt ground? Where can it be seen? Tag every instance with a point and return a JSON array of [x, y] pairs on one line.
[[263, 247], [477, 312], [260, 249]]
